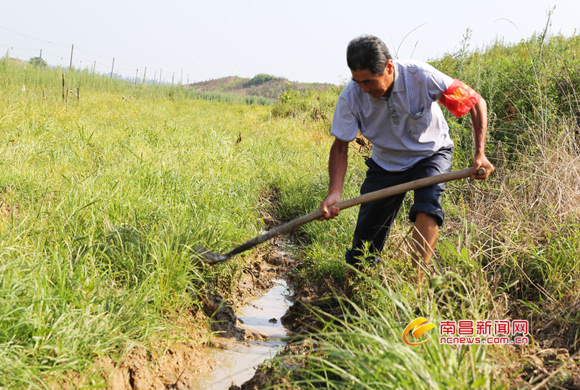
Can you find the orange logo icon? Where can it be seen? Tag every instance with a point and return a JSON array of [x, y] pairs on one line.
[[420, 326]]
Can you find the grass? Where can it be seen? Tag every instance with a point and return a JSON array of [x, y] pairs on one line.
[[508, 250], [48, 83]]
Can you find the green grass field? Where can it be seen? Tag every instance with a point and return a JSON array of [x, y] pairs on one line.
[[102, 199]]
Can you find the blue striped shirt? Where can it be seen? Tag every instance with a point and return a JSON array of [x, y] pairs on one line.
[[406, 127]]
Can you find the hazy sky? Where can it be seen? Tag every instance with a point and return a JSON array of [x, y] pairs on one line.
[[298, 39]]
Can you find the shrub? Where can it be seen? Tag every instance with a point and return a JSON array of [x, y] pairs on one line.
[[261, 78]]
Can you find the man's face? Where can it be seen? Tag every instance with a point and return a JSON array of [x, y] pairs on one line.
[[374, 84]]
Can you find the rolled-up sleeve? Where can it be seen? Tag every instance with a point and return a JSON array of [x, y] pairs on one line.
[[345, 125]]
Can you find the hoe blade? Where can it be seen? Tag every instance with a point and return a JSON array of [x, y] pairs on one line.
[[210, 257]]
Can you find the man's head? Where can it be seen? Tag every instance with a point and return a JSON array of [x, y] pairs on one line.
[[371, 64], [367, 52]]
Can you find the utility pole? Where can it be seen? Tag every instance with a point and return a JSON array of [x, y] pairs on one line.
[[160, 74], [71, 56], [94, 67], [112, 68], [40, 54], [145, 75]]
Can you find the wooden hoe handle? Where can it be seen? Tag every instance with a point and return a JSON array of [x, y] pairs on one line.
[[390, 191]]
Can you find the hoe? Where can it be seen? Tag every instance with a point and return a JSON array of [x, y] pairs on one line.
[[215, 258]]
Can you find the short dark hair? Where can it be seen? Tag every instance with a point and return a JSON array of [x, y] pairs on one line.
[[367, 52]]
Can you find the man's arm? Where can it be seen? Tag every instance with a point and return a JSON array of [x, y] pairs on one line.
[[479, 122], [337, 164]]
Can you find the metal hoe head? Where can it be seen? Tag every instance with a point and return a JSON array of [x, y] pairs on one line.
[[210, 257]]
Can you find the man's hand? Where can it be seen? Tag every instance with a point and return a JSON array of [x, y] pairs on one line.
[[480, 161], [328, 211]]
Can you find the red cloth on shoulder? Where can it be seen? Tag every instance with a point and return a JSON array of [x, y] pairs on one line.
[[459, 98]]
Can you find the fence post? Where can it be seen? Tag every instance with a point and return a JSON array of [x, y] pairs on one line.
[[71, 57]]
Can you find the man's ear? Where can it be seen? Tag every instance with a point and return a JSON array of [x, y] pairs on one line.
[[389, 66]]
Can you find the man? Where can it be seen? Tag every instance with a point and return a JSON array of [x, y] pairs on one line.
[[394, 103]]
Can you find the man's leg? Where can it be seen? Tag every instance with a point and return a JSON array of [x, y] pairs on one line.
[[373, 226], [374, 218], [427, 212], [424, 241]]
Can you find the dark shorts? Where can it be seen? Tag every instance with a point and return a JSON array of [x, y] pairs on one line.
[[375, 218]]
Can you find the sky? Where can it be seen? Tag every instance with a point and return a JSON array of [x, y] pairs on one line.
[[301, 40]]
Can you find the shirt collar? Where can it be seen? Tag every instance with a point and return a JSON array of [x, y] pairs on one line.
[[398, 83]]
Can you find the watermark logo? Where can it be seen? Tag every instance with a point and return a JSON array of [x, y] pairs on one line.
[[469, 332], [417, 327], [497, 332]]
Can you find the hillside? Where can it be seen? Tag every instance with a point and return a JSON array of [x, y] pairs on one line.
[[262, 85]]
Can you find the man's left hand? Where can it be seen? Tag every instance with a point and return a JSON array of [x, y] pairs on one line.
[[480, 161]]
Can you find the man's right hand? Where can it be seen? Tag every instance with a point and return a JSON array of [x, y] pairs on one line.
[[328, 211], [337, 163]]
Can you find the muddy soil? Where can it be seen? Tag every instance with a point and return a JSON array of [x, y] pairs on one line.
[[157, 366]]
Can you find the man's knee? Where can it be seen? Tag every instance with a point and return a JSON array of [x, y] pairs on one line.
[[429, 210], [424, 217]]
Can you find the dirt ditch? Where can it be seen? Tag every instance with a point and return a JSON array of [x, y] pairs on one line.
[[245, 338], [277, 262], [257, 329]]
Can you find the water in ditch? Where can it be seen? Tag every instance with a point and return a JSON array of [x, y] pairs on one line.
[[238, 364]]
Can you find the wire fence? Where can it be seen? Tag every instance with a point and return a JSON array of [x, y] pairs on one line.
[[56, 54]]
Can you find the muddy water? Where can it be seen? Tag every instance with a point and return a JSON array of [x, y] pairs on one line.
[[238, 364]]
